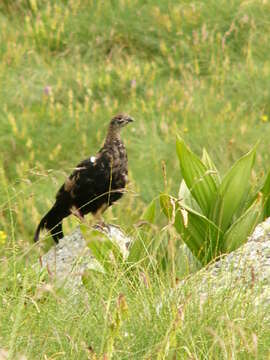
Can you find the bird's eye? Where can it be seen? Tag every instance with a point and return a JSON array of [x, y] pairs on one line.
[[119, 120]]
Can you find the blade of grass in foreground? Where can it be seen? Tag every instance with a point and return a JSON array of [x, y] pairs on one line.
[[104, 250], [139, 246]]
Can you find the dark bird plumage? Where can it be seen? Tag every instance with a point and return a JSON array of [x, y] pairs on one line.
[[94, 185]]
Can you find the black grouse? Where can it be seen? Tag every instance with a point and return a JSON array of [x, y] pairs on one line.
[[94, 185]]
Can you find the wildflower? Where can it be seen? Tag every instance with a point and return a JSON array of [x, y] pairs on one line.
[[264, 118], [47, 90], [3, 237], [133, 83]]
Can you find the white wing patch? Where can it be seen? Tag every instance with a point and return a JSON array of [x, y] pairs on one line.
[[92, 159]]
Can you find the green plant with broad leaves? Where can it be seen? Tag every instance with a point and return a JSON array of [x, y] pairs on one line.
[[215, 215]]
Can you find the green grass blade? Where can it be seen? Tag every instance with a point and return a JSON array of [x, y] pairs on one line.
[[144, 238], [233, 189], [238, 233], [198, 178], [169, 205], [106, 252]]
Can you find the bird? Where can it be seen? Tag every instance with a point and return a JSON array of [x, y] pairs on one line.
[[95, 183]]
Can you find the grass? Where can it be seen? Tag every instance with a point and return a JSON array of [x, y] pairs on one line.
[[130, 318], [199, 69]]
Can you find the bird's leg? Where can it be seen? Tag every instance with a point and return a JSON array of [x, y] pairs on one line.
[[99, 221], [76, 212]]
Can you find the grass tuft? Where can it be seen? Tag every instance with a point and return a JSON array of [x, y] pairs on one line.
[[200, 70]]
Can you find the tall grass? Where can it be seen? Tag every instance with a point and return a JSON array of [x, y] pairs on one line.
[[127, 317], [199, 69]]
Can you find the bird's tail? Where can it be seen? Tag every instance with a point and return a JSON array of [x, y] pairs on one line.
[[53, 222]]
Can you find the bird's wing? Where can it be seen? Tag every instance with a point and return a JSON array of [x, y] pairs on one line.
[[83, 167], [80, 175], [88, 175]]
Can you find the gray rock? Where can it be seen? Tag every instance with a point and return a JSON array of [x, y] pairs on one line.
[[67, 261], [247, 268]]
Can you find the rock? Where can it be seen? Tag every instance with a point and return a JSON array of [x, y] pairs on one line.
[[67, 261], [247, 268]]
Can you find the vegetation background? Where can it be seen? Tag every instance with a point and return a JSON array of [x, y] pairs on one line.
[[194, 68]]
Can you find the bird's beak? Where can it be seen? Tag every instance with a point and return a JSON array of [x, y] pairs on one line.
[[129, 119]]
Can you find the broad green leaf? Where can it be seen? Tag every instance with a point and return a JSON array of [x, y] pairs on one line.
[[150, 212], [199, 233], [266, 186], [198, 178], [185, 197], [266, 195], [233, 189], [208, 162], [202, 236], [238, 233]]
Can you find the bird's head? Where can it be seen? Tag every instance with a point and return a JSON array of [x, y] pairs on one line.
[[120, 121]]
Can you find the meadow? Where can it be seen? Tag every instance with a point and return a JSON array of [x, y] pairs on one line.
[[196, 69]]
